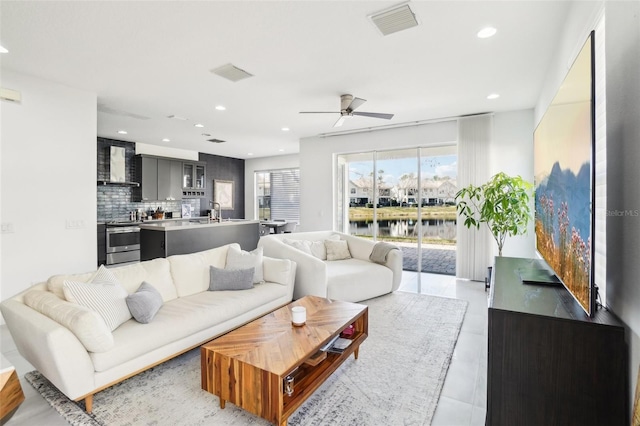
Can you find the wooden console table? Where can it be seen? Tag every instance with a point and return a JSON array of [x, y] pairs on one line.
[[548, 363]]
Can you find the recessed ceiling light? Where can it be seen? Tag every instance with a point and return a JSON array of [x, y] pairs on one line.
[[221, 107], [487, 32], [198, 125], [3, 50], [285, 129], [249, 153], [166, 140], [281, 150], [122, 132], [493, 96]]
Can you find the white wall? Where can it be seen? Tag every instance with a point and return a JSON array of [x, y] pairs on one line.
[[512, 152], [317, 163], [581, 19], [622, 44], [260, 164], [48, 158]]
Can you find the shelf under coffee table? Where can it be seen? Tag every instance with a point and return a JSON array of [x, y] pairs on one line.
[[248, 365]]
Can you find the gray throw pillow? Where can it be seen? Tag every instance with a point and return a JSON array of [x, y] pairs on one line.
[[145, 303], [230, 279]]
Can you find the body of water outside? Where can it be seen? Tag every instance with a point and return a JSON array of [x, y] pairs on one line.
[[434, 231]]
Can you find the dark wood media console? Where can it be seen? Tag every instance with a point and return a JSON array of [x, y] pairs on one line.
[[548, 363]]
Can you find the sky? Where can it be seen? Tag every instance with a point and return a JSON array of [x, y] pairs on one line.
[[445, 165]]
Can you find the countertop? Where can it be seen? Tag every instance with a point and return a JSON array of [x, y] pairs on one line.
[[175, 225]]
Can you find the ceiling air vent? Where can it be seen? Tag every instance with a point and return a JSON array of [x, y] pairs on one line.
[[231, 72], [216, 140], [395, 19]]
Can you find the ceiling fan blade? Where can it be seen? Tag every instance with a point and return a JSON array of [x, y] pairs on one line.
[[355, 103], [340, 121], [319, 112], [374, 115]]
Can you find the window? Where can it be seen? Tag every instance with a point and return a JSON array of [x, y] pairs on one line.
[[278, 195]]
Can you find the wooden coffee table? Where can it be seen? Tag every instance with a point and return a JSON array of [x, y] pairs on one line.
[[249, 365]]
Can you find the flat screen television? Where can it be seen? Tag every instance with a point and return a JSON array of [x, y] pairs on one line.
[[564, 177]]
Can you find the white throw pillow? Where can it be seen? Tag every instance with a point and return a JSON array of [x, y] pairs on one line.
[[103, 294], [314, 248], [85, 323], [278, 270], [319, 250], [55, 283], [337, 250], [302, 245], [240, 259]]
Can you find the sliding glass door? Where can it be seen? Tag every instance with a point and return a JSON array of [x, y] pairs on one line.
[[403, 196]]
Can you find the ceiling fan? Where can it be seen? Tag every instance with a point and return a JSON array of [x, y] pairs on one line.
[[347, 106]]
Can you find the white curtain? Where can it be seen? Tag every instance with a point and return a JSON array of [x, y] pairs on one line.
[[474, 247]]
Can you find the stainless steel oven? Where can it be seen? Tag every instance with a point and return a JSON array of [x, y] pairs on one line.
[[123, 243]]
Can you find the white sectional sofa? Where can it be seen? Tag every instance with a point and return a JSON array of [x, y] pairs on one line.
[[189, 316], [354, 279]]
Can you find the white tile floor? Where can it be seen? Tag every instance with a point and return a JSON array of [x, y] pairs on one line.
[[463, 399], [464, 395]]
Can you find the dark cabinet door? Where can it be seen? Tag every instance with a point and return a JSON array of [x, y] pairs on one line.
[[149, 178], [102, 244], [193, 179], [169, 180]]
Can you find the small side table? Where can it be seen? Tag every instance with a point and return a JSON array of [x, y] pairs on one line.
[[11, 394]]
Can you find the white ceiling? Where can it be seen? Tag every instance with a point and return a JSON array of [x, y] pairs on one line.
[[153, 59]]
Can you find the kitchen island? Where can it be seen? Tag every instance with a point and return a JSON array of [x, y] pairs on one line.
[[189, 236]]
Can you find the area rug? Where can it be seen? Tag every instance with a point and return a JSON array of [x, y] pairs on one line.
[[396, 380]]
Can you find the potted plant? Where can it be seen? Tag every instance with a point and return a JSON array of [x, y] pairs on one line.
[[502, 203]]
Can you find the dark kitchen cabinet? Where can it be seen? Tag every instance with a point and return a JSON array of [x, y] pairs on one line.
[[147, 176], [102, 244], [169, 179], [193, 179], [159, 178]]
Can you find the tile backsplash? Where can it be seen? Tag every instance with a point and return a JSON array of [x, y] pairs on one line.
[[114, 201]]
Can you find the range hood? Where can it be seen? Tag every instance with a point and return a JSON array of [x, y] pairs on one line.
[[117, 169]]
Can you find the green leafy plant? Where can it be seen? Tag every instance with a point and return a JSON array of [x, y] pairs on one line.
[[502, 203]]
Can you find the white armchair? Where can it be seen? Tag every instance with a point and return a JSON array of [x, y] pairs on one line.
[[352, 280]]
